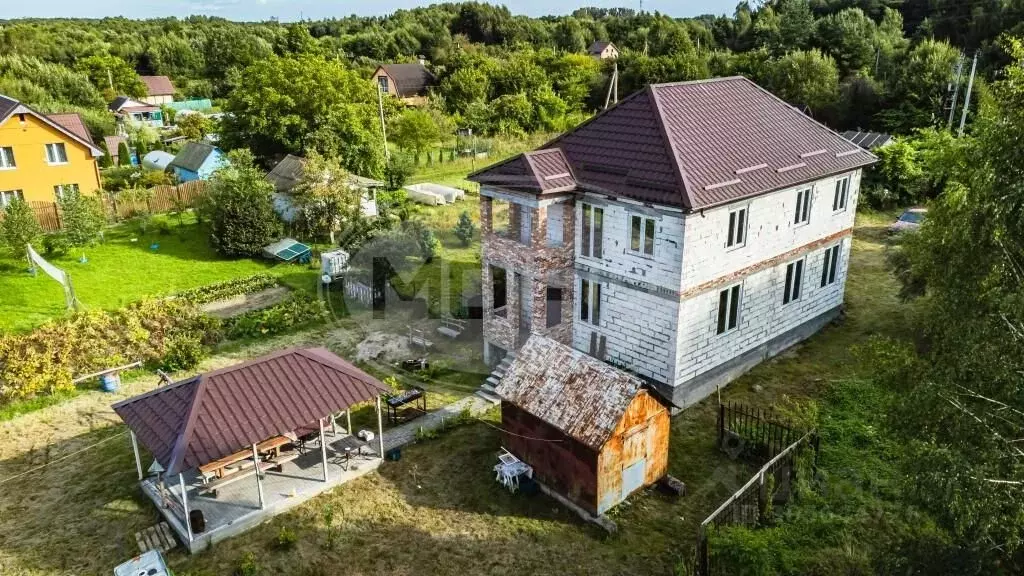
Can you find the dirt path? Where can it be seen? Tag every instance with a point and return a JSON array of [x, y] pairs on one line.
[[246, 302]]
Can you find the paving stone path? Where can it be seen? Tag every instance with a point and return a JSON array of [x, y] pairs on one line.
[[406, 433]]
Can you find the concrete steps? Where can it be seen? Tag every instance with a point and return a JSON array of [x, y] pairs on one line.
[[486, 390]]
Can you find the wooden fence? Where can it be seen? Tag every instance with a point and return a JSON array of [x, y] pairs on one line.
[[753, 504], [156, 199], [753, 433]]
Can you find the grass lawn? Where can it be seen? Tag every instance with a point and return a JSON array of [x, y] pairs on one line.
[[123, 269], [438, 510]]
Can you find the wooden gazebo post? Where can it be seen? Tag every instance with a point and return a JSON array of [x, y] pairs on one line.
[[323, 446], [380, 429], [184, 505], [135, 449]]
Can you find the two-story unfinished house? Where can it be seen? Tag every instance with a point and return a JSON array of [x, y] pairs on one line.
[[685, 234]]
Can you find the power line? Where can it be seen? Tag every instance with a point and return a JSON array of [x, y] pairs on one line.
[[62, 458]]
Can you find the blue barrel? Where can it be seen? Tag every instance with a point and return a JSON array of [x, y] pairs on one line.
[[110, 382]]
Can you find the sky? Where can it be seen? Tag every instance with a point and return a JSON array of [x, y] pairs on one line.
[[291, 10]]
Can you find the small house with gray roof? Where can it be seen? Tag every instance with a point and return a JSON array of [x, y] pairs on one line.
[[410, 83], [197, 161], [686, 234]]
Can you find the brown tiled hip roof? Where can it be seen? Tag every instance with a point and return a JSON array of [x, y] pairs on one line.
[[700, 144], [198, 420]]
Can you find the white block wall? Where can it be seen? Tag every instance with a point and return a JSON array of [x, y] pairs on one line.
[[640, 329], [661, 270], [762, 315], [770, 230]]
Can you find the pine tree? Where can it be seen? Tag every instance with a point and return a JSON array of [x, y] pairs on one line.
[[464, 229], [124, 157]]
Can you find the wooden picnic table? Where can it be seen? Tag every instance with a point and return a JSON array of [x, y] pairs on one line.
[[216, 468]]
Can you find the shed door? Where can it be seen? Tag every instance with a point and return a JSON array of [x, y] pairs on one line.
[[634, 460]]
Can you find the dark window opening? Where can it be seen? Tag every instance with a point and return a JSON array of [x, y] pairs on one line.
[[554, 307]]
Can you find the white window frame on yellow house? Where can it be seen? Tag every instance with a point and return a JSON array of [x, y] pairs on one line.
[[8, 196], [7, 158], [51, 154], [60, 189]]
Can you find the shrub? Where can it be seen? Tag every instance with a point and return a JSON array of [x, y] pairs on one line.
[[286, 539], [48, 358], [82, 217], [464, 229], [248, 565], [399, 169], [182, 352], [56, 244], [228, 289], [18, 226], [242, 214], [297, 311], [124, 157]]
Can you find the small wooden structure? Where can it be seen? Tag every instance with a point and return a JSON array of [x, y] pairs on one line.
[[592, 434]]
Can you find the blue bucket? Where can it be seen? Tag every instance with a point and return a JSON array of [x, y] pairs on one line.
[[110, 382]]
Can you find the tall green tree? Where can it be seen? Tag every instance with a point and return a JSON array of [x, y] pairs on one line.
[[805, 79], [112, 75], [962, 412], [283, 105], [414, 130]]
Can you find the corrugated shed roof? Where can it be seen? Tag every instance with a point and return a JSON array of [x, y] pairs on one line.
[[598, 46], [576, 393], [867, 140], [287, 173], [201, 419], [73, 123], [701, 144], [158, 85], [192, 155], [410, 79]]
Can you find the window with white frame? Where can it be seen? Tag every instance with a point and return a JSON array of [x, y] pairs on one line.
[[593, 224], [641, 235], [56, 153], [829, 266], [842, 194], [382, 81], [728, 309], [61, 189], [8, 196], [737, 228], [803, 206], [794, 281], [590, 302], [7, 158]]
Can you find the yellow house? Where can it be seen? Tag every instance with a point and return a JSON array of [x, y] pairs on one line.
[[42, 156]]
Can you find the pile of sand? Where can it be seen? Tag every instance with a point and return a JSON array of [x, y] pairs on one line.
[[383, 347]]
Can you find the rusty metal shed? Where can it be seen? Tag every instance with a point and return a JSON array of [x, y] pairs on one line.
[[591, 432]]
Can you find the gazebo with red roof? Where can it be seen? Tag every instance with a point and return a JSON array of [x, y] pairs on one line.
[[209, 432]]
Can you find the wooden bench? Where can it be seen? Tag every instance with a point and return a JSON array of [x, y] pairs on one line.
[[452, 327], [245, 471]]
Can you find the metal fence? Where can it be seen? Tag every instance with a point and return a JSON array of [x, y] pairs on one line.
[[753, 504], [752, 433]]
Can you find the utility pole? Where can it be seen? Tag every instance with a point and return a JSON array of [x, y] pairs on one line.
[[956, 88], [967, 99], [613, 87], [110, 79], [383, 130]]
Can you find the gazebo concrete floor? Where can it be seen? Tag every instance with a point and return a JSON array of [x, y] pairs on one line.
[[236, 507]]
